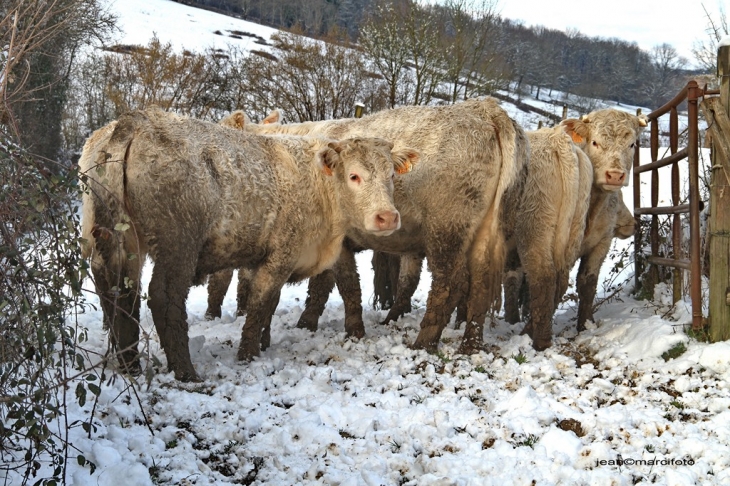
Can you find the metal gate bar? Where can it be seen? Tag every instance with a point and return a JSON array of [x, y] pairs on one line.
[[691, 93]]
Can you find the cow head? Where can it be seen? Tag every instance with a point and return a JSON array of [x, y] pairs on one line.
[[608, 137], [363, 170], [238, 120]]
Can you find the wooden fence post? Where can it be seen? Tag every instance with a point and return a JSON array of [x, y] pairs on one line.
[[359, 109], [719, 311]]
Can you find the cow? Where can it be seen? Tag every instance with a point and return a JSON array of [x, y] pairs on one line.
[[471, 153], [219, 282], [546, 250], [516, 294], [197, 198], [568, 206]]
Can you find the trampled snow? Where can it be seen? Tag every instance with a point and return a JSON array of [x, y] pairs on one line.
[[600, 408]]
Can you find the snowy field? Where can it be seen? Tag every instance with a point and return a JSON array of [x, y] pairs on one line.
[[599, 408], [319, 408]]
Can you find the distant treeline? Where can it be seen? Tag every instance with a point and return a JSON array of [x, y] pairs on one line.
[[544, 59]]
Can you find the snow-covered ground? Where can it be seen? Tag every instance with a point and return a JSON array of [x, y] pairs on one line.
[[599, 408], [319, 408]]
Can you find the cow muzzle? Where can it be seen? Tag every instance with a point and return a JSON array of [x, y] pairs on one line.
[[385, 222], [615, 179], [625, 231]]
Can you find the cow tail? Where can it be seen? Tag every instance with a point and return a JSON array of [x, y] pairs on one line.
[[108, 232], [514, 149]]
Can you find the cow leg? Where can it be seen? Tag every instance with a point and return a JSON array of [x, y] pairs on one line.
[[408, 277], [218, 284], [447, 268], [524, 299], [318, 291], [172, 277], [536, 255], [265, 287], [486, 270], [562, 282], [266, 331], [542, 298], [513, 277], [243, 289], [587, 281], [386, 270], [348, 284], [121, 311]]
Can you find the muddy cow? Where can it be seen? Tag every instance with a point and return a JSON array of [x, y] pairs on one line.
[[471, 153], [568, 206], [197, 198], [556, 223]]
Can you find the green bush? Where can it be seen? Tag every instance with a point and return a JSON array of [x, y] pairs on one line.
[[40, 288]]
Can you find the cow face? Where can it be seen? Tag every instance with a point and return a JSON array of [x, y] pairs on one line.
[[364, 169], [608, 137]]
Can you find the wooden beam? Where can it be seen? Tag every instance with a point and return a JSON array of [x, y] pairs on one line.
[[718, 124], [716, 115]]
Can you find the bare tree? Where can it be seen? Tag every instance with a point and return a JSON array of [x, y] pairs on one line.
[[382, 40], [470, 38], [666, 64], [423, 31], [705, 50], [310, 79], [41, 39]]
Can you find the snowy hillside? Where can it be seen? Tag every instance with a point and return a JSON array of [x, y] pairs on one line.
[[600, 408]]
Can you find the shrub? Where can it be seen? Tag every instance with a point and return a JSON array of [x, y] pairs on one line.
[[40, 287]]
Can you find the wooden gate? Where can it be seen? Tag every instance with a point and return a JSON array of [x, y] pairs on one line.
[[679, 262]]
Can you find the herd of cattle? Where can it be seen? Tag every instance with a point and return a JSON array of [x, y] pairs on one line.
[[488, 205]]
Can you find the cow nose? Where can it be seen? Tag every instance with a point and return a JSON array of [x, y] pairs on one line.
[[387, 220], [615, 177]]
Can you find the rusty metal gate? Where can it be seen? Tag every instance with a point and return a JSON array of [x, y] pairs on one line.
[[691, 93]]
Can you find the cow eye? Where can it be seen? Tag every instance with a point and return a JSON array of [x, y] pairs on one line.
[[595, 144], [354, 178], [633, 144]]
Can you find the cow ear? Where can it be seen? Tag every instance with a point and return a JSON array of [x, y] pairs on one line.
[[236, 120], [577, 129], [329, 157], [404, 159], [273, 117], [643, 120], [239, 120]]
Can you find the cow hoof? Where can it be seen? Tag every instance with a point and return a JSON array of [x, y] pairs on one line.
[[248, 353], [355, 328], [526, 331], [541, 344], [430, 348], [307, 325], [211, 314], [307, 322], [189, 376], [355, 333], [393, 316], [133, 368], [469, 348]]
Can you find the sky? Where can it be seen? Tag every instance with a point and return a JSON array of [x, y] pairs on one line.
[[647, 22]]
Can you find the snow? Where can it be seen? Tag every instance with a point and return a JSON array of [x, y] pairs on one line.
[[320, 408]]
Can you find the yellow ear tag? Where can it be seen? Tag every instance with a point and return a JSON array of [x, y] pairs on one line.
[[576, 138], [407, 167]]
